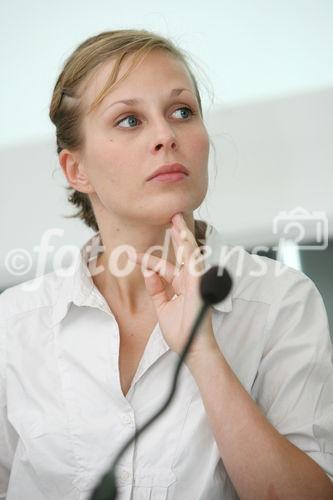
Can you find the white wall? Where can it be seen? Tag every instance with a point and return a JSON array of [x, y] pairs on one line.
[[272, 156], [249, 50]]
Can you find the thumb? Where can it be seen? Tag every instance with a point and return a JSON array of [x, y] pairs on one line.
[[156, 290]]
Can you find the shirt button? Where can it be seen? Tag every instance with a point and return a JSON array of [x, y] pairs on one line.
[[124, 475], [127, 419]]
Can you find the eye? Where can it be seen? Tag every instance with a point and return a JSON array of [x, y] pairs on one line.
[[187, 110], [132, 119]]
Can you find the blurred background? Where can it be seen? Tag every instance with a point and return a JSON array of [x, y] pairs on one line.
[[265, 70]]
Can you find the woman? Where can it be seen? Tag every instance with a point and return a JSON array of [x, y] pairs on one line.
[[89, 356]]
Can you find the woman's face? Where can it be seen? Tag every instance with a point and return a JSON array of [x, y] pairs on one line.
[[126, 143]]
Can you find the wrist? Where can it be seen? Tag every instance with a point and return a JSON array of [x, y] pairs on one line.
[[202, 352]]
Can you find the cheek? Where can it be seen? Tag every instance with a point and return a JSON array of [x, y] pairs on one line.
[[107, 166], [200, 145]]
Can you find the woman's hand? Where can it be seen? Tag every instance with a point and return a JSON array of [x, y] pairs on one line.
[[163, 280]]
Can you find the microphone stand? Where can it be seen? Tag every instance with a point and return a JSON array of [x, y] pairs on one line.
[[107, 489]]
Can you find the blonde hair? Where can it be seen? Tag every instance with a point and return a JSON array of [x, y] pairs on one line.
[[67, 107]]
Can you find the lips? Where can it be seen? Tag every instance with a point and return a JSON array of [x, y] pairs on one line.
[[169, 168]]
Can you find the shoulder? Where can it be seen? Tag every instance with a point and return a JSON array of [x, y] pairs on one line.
[[261, 279], [286, 297], [268, 280], [31, 295], [257, 278], [295, 306]]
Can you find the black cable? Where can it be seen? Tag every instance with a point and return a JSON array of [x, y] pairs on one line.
[[214, 287], [106, 489]]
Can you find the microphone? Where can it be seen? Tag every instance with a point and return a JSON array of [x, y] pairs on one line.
[[214, 287]]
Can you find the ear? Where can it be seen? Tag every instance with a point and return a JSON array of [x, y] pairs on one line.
[[74, 171]]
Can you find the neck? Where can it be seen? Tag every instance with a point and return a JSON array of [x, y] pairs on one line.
[[129, 290]]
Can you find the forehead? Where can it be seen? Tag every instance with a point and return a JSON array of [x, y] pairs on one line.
[[157, 69]]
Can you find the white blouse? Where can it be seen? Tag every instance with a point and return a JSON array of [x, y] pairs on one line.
[[63, 416]]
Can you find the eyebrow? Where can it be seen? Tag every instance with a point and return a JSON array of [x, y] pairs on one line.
[[133, 101]]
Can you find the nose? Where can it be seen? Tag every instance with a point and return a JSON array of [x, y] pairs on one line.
[[164, 138]]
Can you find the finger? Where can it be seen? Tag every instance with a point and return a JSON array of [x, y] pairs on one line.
[[193, 256], [184, 236], [168, 288], [181, 225], [160, 266], [157, 290], [177, 247]]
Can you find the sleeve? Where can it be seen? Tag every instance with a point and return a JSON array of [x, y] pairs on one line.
[[294, 382], [8, 436]]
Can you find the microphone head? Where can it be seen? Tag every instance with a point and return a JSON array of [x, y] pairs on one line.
[[215, 285]]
